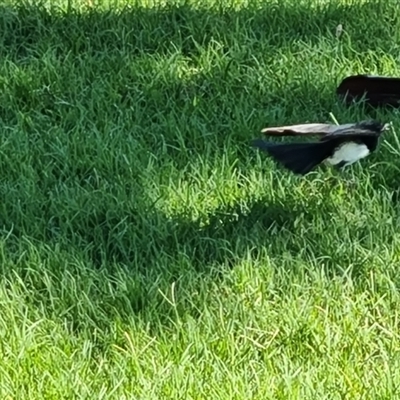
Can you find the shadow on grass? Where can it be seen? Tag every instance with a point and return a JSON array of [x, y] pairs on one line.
[[110, 229], [28, 30], [125, 37], [144, 239]]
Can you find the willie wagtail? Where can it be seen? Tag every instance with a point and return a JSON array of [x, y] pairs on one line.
[[340, 145]]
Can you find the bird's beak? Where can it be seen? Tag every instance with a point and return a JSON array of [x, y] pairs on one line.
[[387, 126]]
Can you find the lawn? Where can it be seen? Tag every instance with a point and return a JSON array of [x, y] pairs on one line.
[[146, 250]]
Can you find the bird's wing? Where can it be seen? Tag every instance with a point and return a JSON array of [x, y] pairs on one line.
[[324, 130], [302, 130], [357, 129]]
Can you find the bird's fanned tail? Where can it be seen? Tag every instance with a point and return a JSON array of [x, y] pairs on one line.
[[300, 158]]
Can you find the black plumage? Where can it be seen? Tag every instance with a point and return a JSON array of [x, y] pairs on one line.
[[339, 145], [374, 90]]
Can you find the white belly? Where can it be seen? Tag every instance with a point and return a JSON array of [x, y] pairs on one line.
[[349, 153]]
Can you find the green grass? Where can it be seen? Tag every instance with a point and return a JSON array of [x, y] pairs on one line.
[[146, 251]]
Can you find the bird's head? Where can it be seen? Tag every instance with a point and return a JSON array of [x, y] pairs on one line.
[[374, 126]]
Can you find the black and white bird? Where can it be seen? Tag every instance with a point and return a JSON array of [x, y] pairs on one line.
[[339, 146]]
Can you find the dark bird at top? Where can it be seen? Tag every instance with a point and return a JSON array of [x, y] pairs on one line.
[[339, 145], [376, 91]]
